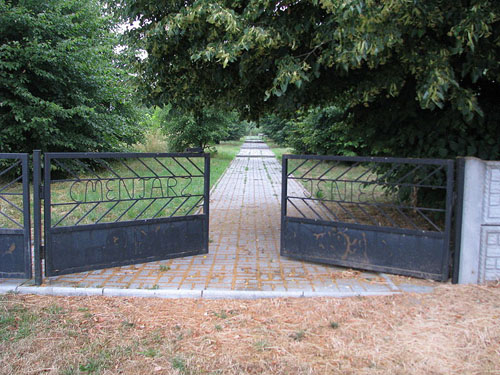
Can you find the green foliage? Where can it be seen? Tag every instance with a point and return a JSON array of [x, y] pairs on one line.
[[276, 128], [417, 78], [154, 118], [164, 268], [60, 87], [179, 364], [321, 131], [325, 131], [334, 325], [250, 128], [200, 128], [235, 129], [298, 335], [229, 128]]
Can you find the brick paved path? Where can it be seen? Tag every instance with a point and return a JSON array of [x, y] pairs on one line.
[[244, 248]]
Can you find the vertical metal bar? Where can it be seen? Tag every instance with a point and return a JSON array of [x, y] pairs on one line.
[[37, 216], [27, 217], [284, 198], [449, 211], [46, 214], [459, 206], [206, 200]]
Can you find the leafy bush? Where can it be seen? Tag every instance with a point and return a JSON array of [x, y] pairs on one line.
[[276, 128], [324, 131], [235, 129], [321, 131]]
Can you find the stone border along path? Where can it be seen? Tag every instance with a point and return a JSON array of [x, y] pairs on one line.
[[243, 259]]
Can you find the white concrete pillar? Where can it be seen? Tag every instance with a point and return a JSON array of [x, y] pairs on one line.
[[474, 190]]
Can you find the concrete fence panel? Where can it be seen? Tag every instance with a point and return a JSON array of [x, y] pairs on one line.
[[480, 240]]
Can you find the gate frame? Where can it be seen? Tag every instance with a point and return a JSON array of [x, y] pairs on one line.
[[26, 230], [44, 190], [446, 234]]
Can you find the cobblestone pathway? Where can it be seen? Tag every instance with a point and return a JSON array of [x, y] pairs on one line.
[[244, 245]]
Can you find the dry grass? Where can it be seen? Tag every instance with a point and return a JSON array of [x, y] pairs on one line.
[[454, 330]]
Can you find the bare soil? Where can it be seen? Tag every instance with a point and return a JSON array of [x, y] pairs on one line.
[[454, 330]]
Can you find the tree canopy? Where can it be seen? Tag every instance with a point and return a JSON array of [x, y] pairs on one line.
[[199, 129], [60, 85], [415, 77]]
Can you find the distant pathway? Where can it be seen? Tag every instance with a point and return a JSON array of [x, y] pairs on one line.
[[244, 244]]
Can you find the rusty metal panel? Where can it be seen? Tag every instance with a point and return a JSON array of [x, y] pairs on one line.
[[12, 254], [90, 247], [15, 238], [410, 254]]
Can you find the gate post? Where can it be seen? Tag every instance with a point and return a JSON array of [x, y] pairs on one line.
[[459, 209], [284, 201], [206, 201], [37, 218]]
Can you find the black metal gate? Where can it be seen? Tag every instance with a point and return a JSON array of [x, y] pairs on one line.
[[381, 214], [15, 239], [111, 209]]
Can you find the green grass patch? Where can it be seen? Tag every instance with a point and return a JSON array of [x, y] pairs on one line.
[[298, 335], [261, 345], [16, 321], [164, 268], [220, 160], [279, 151], [179, 364]]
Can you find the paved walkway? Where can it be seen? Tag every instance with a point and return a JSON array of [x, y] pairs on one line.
[[244, 249], [255, 149]]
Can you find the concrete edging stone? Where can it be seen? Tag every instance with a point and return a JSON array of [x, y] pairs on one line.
[[188, 293]]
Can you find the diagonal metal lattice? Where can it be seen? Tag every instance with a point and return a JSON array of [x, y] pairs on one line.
[[11, 195], [362, 191], [93, 190]]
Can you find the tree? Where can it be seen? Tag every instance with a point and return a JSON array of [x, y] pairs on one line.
[[417, 78], [60, 87], [235, 128], [324, 131], [197, 128], [276, 128]]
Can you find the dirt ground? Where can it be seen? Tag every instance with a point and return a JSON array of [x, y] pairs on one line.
[[454, 330]]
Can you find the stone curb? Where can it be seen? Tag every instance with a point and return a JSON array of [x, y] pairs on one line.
[[59, 291], [7, 289], [248, 294], [337, 294], [389, 281], [152, 293], [416, 289], [187, 293]]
